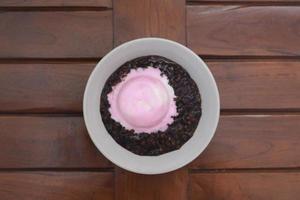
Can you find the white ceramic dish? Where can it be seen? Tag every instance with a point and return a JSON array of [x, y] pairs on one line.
[[197, 70]]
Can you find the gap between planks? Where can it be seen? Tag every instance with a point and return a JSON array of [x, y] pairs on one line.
[[259, 112], [53, 9], [244, 3], [246, 170], [223, 112], [248, 58], [190, 170], [206, 58], [13, 170], [50, 60]]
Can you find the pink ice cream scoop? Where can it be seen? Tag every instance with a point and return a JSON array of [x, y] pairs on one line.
[[143, 101]]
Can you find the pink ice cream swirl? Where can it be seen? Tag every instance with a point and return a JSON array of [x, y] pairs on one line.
[[143, 101]]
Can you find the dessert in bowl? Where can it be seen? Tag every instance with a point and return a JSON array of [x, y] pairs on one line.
[[151, 106]]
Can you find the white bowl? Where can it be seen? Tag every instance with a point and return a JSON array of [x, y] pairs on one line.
[[197, 70]]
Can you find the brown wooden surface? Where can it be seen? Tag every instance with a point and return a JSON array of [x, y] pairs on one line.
[[47, 142], [253, 141], [267, 2], [56, 34], [43, 87], [49, 48], [58, 87], [56, 185], [132, 186], [258, 84], [246, 186], [272, 140], [244, 30], [149, 18], [59, 3]]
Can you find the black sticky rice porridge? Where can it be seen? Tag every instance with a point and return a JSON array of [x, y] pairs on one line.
[[188, 103]]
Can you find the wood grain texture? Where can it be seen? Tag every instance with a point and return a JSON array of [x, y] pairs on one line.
[[56, 185], [240, 142], [243, 1], [37, 88], [149, 18], [246, 186], [258, 85], [244, 30], [58, 3], [80, 34], [58, 88], [258, 141], [47, 142], [130, 186]]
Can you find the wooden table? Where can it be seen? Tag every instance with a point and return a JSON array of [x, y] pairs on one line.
[[49, 47]]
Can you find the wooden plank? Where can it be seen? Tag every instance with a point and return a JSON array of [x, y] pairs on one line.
[[130, 186], [240, 142], [38, 88], [155, 18], [63, 142], [263, 1], [143, 18], [258, 141], [57, 88], [244, 30], [58, 3], [56, 185], [246, 186], [80, 34], [47, 142], [258, 85]]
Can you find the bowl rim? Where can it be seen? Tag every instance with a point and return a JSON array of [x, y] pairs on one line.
[[85, 105]]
